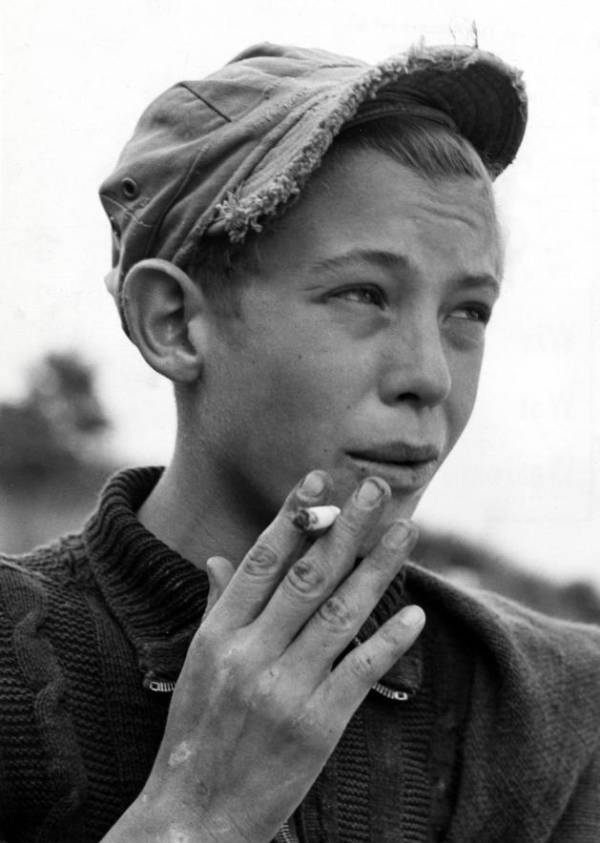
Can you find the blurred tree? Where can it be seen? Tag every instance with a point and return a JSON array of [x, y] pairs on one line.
[[56, 428], [476, 566], [63, 388]]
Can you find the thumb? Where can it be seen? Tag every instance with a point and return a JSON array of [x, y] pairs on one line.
[[220, 571]]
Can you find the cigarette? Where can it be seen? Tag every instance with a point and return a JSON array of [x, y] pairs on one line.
[[313, 518]]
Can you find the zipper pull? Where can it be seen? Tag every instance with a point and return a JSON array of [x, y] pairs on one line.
[[286, 834], [161, 686]]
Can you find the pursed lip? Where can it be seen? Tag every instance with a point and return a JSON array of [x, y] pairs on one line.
[[402, 465], [397, 452]]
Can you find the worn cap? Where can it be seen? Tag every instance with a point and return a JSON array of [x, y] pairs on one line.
[[220, 155]]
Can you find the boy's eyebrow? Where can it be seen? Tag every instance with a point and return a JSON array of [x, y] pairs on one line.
[[378, 257], [395, 260], [484, 280]]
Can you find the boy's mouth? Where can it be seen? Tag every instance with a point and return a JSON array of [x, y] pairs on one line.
[[404, 466], [398, 452]]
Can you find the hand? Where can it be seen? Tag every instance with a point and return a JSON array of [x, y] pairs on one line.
[[258, 709]]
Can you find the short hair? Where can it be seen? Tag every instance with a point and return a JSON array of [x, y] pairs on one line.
[[433, 150]]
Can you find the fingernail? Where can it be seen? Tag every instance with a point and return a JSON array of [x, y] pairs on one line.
[[369, 493], [412, 616], [313, 484], [401, 533]]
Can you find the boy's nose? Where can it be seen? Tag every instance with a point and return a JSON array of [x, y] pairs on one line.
[[416, 366]]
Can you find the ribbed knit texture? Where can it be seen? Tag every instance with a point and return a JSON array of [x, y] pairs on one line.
[[499, 741], [352, 774], [157, 596]]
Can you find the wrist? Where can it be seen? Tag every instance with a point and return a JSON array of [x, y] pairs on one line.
[[167, 819]]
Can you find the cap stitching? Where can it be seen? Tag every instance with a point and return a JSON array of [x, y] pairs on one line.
[[126, 211], [206, 102]]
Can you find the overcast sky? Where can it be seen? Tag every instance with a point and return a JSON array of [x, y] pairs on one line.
[[526, 476]]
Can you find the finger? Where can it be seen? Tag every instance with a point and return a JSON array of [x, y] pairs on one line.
[[220, 572], [338, 619], [346, 687], [261, 570], [310, 580]]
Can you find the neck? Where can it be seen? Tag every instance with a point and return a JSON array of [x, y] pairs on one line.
[[193, 513]]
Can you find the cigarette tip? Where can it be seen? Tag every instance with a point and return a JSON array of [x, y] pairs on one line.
[[316, 517]]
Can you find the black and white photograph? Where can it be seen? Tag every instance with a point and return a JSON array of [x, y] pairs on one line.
[[300, 422]]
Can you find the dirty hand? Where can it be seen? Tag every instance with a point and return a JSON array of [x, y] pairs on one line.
[[258, 709]]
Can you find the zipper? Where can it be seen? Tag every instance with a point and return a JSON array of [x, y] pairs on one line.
[[285, 834], [161, 686], [390, 693], [165, 686]]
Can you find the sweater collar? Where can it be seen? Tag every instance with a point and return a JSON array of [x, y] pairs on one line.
[[159, 597]]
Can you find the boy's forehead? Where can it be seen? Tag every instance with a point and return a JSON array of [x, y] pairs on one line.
[[365, 211]]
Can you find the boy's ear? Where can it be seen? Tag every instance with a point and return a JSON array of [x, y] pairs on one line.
[[165, 312]]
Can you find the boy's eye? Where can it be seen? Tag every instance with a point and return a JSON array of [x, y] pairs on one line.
[[362, 295], [473, 313]]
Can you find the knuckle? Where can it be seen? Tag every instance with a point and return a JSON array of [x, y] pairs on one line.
[[265, 693], [261, 560], [273, 694], [233, 669], [306, 577], [361, 665], [229, 660], [336, 613], [224, 661], [348, 525], [393, 637]]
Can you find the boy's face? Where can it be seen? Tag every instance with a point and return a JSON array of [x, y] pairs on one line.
[[361, 342]]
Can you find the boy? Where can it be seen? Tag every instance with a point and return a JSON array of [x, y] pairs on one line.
[[308, 249]]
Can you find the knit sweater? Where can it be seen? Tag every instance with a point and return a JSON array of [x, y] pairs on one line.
[[498, 741]]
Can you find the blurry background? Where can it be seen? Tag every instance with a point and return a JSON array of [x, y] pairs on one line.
[[75, 399]]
